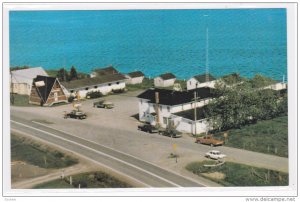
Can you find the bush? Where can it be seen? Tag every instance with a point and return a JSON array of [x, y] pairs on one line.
[[94, 94], [71, 98], [118, 91]]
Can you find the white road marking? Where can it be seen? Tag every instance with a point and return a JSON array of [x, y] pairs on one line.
[[97, 162], [99, 153], [119, 152]]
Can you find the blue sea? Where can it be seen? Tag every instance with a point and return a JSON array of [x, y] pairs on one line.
[[246, 41]]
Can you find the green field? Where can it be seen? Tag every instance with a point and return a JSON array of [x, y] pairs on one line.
[[234, 174], [20, 100], [86, 180], [268, 136], [23, 149]]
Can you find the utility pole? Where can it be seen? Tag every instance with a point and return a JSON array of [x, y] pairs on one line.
[[157, 107], [195, 109], [207, 62]]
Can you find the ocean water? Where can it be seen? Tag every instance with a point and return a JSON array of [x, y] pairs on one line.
[[248, 41]]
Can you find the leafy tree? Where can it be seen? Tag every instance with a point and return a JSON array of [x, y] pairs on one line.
[[73, 73], [243, 104], [62, 75]]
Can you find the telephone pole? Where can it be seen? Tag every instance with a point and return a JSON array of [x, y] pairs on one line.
[[195, 99]]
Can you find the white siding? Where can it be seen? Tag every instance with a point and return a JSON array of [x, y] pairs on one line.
[[189, 126], [135, 80], [165, 111], [159, 82], [192, 83], [277, 86], [103, 88], [21, 88]]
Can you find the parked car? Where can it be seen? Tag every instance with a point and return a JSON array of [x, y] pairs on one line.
[[170, 133], [209, 140], [75, 115], [214, 154], [148, 128], [103, 104]]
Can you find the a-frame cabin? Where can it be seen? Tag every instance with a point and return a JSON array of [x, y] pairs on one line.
[[46, 91]]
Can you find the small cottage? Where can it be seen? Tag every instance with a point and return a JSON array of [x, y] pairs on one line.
[[134, 77], [104, 71], [165, 80], [201, 80], [21, 80], [46, 91]]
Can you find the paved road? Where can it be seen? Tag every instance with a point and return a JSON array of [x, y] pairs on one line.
[[146, 173]]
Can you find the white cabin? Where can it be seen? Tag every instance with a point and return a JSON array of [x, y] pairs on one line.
[[165, 80], [200, 81]]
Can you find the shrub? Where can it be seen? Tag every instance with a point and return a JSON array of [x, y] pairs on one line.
[[118, 91], [71, 98], [94, 94]]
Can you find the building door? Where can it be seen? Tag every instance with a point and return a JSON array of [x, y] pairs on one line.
[[55, 97]]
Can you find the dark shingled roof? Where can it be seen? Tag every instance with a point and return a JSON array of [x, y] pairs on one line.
[[135, 74], [167, 76], [190, 114], [171, 97], [80, 83], [201, 78], [106, 71], [45, 90]]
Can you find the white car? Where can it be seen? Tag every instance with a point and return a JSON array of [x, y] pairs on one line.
[[214, 154]]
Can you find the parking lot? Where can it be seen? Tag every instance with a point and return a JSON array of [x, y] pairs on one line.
[[117, 128]]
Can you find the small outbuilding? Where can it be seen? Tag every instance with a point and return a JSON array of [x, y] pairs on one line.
[[97, 72], [134, 77], [21, 80], [46, 91], [165, 80], [200, 81]]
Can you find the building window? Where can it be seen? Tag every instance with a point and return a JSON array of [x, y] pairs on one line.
[[141, 101], [160, 107], [72, 91], [95, 86], [109, 84], [190, 82], [118, 82], [168, 109], [144, 114], [86, 88], [165, 120]]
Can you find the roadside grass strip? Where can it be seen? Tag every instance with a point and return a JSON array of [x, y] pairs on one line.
[[94, 179], [23, 149], [268, 136], [234, 174]]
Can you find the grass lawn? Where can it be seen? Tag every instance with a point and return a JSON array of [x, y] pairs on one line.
[[268, 136], [147, 83], [86, 180], [20, 100], [234, 174], [23, 149]]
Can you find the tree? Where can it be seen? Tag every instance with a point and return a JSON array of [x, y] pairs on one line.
[[73, 73], [243, 104], [62, 75]]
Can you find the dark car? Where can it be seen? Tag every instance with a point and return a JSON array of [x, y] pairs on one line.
[[104, 104], [170, 133], [148, 128], [76, 115]]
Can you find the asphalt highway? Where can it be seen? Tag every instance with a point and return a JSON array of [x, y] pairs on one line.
[[145, 173]]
